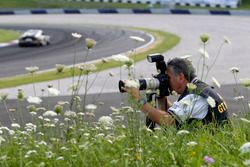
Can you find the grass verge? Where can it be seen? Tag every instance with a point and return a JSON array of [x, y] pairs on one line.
[[164, 41], [8, 35]]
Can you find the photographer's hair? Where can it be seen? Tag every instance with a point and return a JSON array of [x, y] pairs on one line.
[[181, 65]]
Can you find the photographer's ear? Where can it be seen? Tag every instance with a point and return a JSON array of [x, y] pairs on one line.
[[182, 77]]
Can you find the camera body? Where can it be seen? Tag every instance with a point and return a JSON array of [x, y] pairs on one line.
[[159, 81]]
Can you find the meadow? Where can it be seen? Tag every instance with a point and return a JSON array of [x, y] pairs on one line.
[[67, 135]]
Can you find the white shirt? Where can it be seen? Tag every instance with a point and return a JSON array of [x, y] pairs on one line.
[[191, 106]]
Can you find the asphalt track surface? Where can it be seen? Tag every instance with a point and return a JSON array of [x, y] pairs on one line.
[[14, 59], [189, 28]]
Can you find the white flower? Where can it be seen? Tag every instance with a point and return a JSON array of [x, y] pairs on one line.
[[211, 101], [32, 69], [4, 157], [136, 38], [49, 114], [30, 127], [245, 148], [11, 132], [192, 143], [42, 143], [76, 35], [53, 91], [90, 107], [216, 82], [131, 83], [191, 86], [226, 40], [113, 109], [120, 58], [106, 121], [182, 132], [60, 158], [34, 100], [69, 113], [15, 125], [27, 155], [245, 120], [49, 154], [87, 67], [234, 69], [239, 98], [204, 53], [246, 162]]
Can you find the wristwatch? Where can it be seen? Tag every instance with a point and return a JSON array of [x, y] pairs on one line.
[[142, 101]]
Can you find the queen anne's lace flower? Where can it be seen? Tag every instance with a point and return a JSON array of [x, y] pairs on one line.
[[245, 148], [90, 107], [192, 143], [239, 98], [87, 67], [106, 121], [53, 91], [49, 114], [120, 58], [182, 132], [15, 125], [32, 69], [245, 120], [34, 100], [69, 113], [191, 86], [234, 69]]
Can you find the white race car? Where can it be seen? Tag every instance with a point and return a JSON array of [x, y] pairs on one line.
[[34, 37]]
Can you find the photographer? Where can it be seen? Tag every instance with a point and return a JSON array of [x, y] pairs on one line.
[[197, 100]]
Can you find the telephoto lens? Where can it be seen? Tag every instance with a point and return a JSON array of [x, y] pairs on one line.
[[144, 84]]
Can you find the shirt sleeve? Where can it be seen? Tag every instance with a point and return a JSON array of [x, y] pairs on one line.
[[191, 106]]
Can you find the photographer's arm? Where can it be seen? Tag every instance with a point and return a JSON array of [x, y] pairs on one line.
[[160, 116]]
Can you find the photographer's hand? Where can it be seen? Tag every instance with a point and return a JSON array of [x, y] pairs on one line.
[[134, 92]]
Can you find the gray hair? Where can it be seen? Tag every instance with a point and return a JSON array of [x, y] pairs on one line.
[[180, 65]]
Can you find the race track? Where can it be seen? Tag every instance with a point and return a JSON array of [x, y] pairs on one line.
[[64, 47], [188, 27]]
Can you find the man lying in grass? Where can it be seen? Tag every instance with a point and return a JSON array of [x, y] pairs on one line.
[[197, 100]]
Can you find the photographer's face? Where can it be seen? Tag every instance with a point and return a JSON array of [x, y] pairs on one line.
[[177, 81]]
